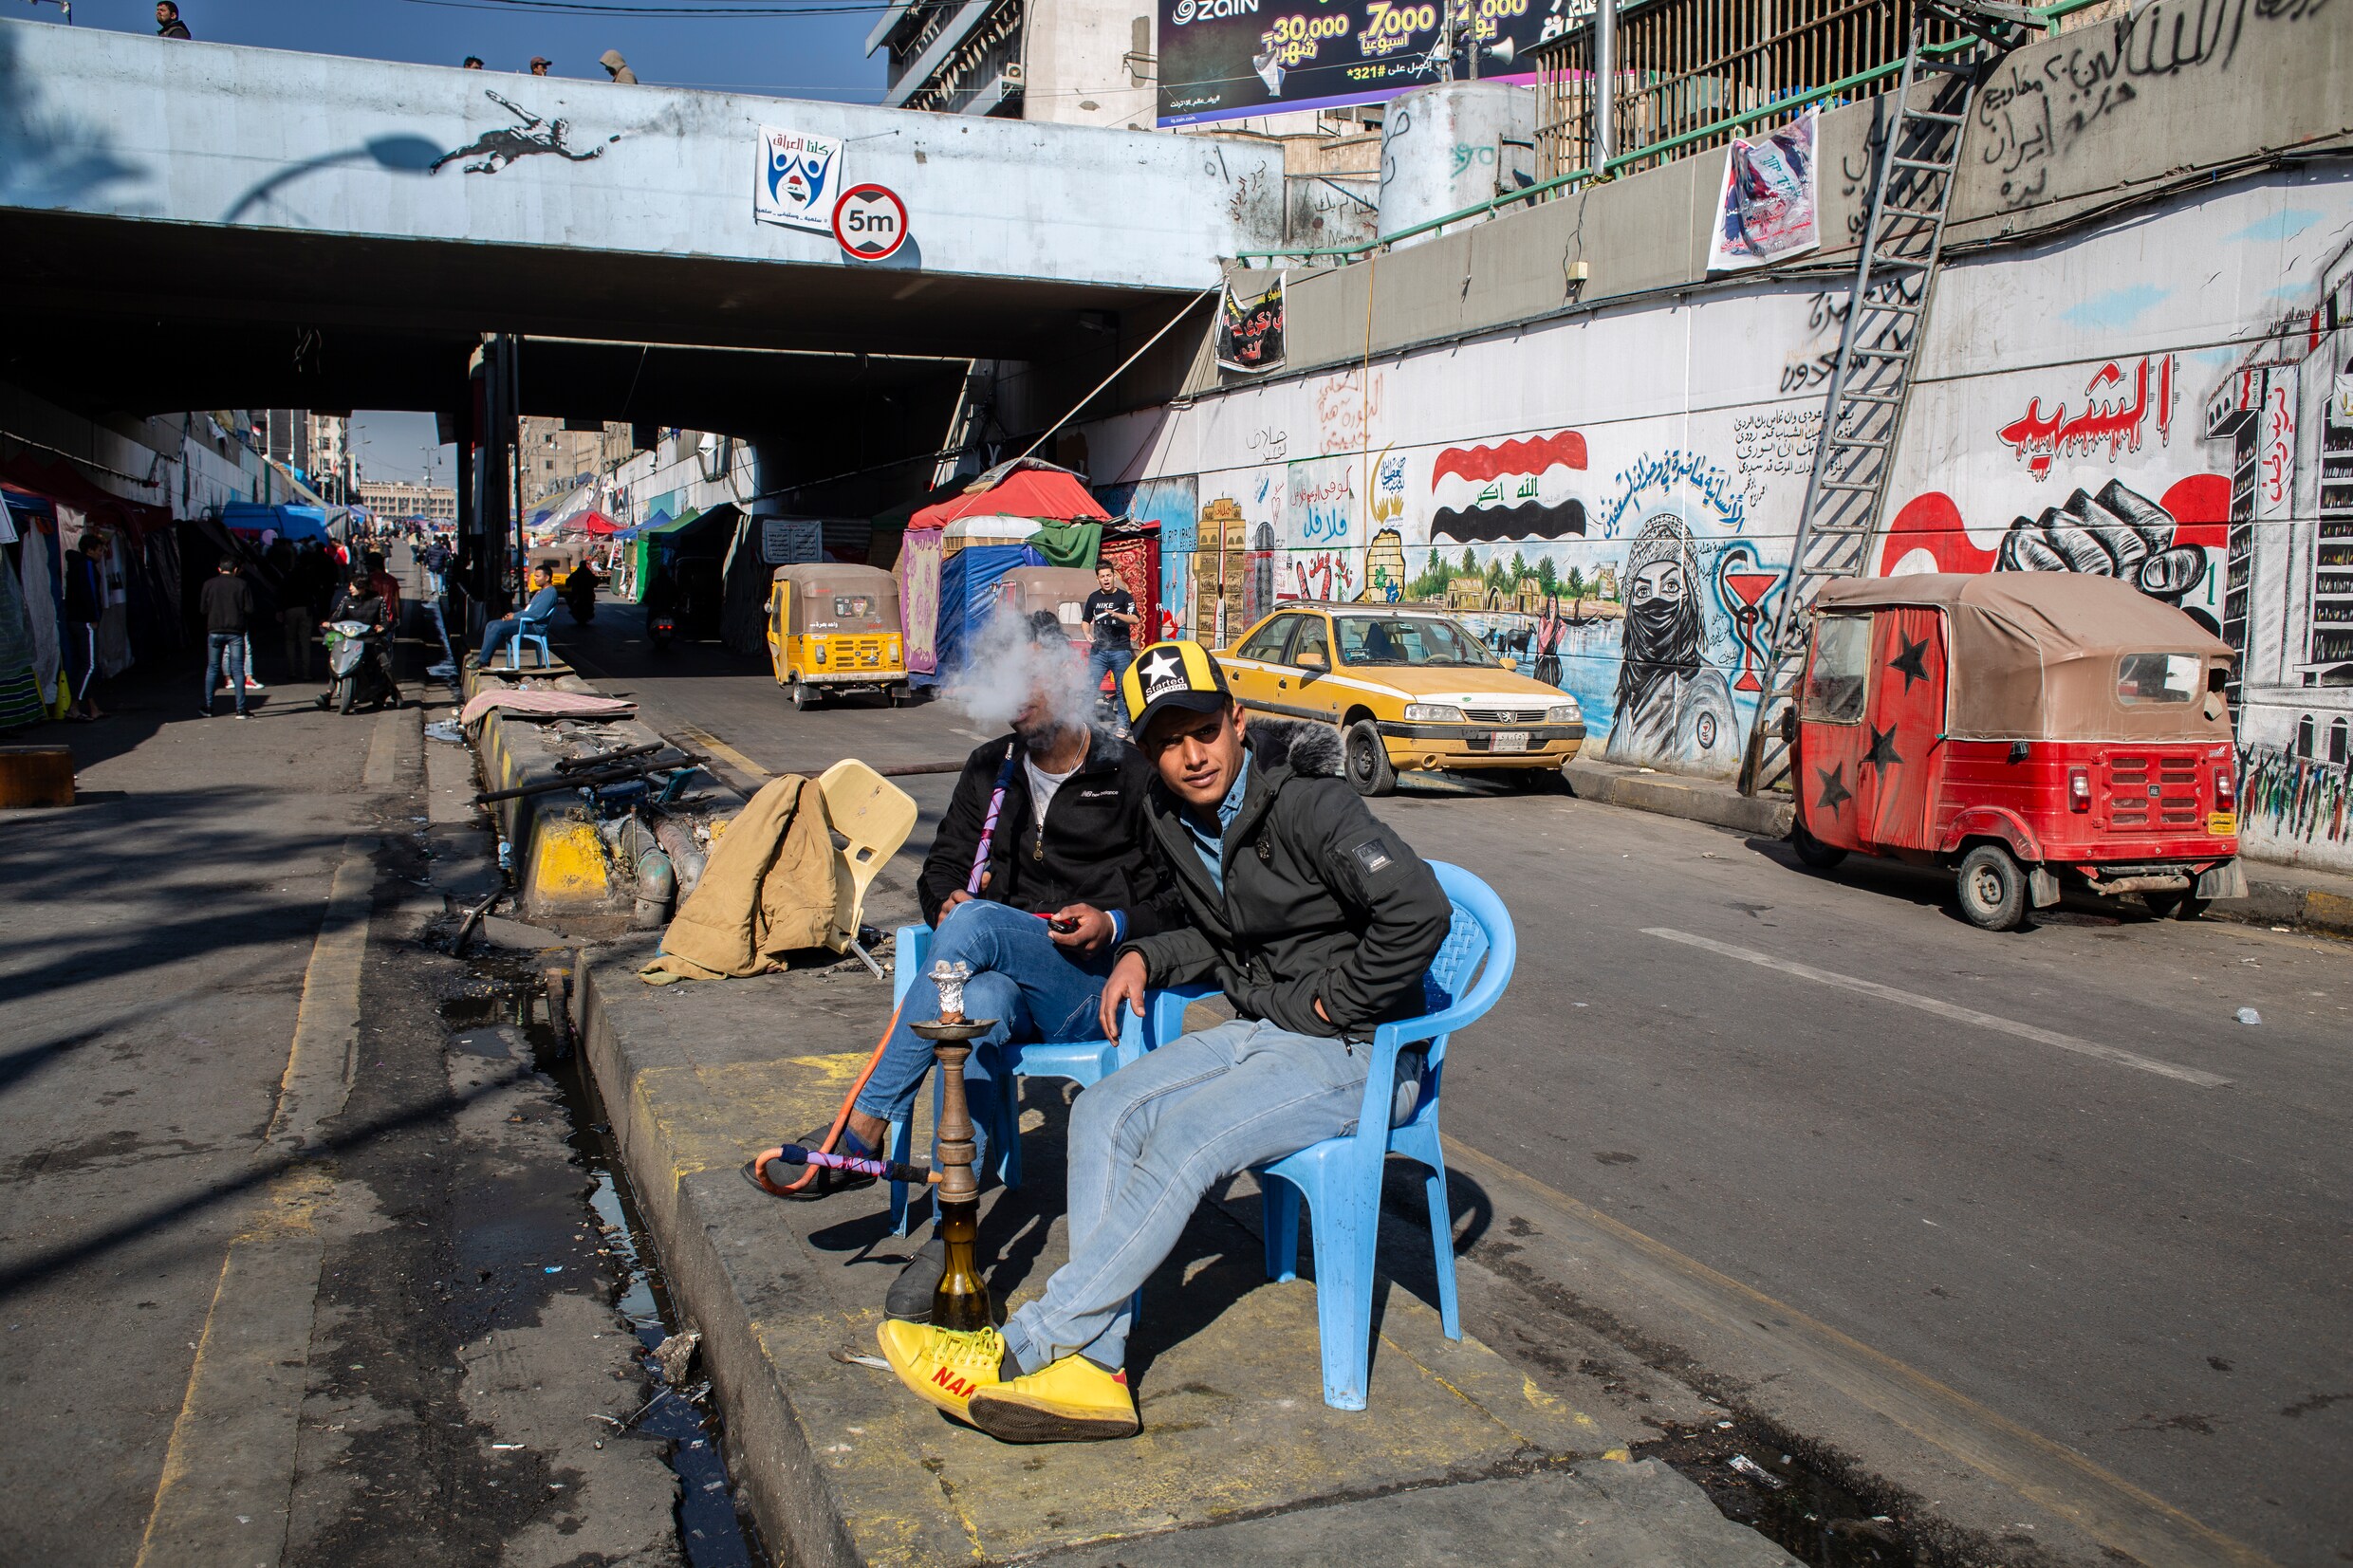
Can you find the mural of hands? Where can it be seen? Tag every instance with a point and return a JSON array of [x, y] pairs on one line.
[[2117, 533]]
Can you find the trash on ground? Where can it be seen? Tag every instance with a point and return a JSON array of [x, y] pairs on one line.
[[1755, 1471], [446, 730], [2247, 1015], [675, 1354]]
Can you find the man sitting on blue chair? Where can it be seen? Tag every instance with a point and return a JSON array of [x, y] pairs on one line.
[[1040, 868], [1317, 923], [540, 609]]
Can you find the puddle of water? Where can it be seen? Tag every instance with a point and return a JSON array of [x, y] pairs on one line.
[[513, 1010], [1754, 1479]]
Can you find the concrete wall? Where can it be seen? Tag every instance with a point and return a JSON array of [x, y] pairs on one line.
[[116, 124], [1664, 427]]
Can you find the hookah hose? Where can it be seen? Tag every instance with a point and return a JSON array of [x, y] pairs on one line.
[[841, 1117], [833, 1134]]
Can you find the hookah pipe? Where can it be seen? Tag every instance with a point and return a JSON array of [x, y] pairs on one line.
[[841, 1119], [794, 1154]]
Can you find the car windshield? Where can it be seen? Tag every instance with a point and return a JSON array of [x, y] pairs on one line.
[[1407, 639]]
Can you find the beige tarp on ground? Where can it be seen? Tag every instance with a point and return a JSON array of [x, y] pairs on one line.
[[769, 888], [2034, 656]]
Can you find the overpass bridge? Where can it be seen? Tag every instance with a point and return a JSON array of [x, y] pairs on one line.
[[207, 225]]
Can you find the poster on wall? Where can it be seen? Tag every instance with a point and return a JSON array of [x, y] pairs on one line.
[[1228, 60], [1767, 209], [1249, 332], [791, 540], [797, 178]]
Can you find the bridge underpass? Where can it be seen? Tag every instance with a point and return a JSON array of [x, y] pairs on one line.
[[200, 224]]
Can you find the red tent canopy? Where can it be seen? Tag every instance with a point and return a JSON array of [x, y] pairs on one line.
[[591, 522], [1047, 494], [60, 483]]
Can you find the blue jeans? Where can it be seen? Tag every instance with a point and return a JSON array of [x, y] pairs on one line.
[[224, 648], [1114, 658], [496, 635], [1147, 1142], [1035, 989]]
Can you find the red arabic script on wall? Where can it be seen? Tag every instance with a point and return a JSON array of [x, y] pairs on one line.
[[2108, 416]]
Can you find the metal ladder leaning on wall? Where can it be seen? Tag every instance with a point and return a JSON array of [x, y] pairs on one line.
[[1911, 192]]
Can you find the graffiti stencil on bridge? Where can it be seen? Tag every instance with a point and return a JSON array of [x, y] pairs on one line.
[[497, 149]]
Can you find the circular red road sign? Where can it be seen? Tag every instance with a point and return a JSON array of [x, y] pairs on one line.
[[870, 222]]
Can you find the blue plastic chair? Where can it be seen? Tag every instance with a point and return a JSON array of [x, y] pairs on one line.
[[1340, 1177], [1083, 1061], [535, 632]]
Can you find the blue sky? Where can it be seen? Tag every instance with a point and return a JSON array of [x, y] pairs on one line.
[[819, 55]]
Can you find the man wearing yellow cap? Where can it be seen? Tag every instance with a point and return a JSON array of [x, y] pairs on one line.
[[1318, 924]]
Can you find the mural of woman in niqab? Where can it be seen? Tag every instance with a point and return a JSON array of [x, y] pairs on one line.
[[1674, 709]]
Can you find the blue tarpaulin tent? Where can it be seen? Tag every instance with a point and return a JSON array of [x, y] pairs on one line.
[[289, 522], [968, 594]]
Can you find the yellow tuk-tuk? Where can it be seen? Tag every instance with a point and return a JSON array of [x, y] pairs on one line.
[[833, 628]]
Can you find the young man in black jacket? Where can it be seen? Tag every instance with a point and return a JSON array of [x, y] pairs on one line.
[[1318, 924], [1041, 868]]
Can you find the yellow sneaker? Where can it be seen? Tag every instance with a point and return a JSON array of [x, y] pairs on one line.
[[942, 1365], [1074, 1400]]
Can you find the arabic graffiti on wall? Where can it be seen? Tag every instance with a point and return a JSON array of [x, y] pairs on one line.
[[1320, 503], [1657, 475], [2118, 408]]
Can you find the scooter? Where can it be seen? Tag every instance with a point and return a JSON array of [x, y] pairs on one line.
[[353, 677], [660, 628], [580, 595]]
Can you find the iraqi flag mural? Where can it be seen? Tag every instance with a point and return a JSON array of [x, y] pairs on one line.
[[1513, 491]]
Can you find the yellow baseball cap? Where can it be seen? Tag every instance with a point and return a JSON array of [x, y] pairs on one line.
[[1171, 674]]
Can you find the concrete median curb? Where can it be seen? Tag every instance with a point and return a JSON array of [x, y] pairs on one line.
[[840, 1465], [2319, 902]]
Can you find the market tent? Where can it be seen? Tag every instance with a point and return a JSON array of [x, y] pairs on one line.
[[919, 602], [1023, 488], [593, 522], [969, 584], [292, 522]]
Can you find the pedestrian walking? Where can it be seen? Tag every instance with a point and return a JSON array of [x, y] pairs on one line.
[[618, 68], [228, 605], [303, 592], [85, 601], [168, 24], [540, 63]]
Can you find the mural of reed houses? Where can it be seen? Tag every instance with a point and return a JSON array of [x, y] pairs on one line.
[[2293, 798]]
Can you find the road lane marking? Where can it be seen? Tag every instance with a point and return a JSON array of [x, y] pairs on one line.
[[1947, 1009], [326, 1023], [2104, 1505], [725, 752]]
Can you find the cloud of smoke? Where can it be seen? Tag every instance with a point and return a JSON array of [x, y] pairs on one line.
[[1007, 669]]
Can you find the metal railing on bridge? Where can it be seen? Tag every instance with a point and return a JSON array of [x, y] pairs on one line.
[[1691, 75]]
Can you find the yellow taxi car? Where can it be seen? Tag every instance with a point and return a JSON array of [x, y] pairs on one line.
[[834, 629], [1408, 688]]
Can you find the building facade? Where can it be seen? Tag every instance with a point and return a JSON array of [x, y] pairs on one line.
[[394, 498]]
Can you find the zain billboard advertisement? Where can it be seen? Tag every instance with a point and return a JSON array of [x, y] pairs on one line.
[[1229, 59]]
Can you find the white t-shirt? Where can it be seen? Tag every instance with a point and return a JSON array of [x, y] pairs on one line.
[[1043, 784]]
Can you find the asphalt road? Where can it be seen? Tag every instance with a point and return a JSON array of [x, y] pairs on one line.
[[2046, 1176]]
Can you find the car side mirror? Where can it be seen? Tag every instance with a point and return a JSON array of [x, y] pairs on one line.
[[1313, 658]]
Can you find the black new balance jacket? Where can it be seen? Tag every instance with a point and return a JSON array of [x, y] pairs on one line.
[[1322, 900]]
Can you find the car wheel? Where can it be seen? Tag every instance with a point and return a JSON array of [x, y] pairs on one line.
[[1811, 852], [1368, 760], [2175, 906], [1993, 888], [804, 696]]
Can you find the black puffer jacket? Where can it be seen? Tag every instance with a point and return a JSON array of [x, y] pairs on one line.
[[1094, 849], [1322, 900]]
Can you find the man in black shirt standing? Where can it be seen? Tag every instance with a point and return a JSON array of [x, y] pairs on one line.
[[1110, 612], [228, 604]]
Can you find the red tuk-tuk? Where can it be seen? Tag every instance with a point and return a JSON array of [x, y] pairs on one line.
[[2032, 729]]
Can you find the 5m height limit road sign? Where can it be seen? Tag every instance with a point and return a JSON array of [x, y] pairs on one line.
[[870, 222]]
